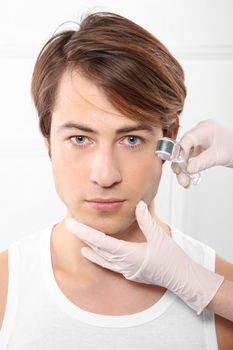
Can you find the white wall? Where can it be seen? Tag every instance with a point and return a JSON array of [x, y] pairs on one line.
[[199, 33]]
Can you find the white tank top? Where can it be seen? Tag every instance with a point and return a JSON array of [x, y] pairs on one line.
[[39, 316]]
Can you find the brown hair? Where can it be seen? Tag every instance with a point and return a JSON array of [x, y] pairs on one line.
[[136, 71]]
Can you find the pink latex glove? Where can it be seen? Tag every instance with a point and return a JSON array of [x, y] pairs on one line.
[[158, 260], [210, 144]]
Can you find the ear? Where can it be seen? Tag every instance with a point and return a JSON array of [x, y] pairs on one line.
[[46, 142], [47, 145], [172, 131]]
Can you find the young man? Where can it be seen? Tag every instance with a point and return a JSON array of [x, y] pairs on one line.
[[105, 94]]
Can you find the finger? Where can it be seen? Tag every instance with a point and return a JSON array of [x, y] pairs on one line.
[[175, 167], [199, 132], [91, 255], [194, 138], [184, 180], [187, 142], [92, 236], [201, 162], [144, 219], [86, 233], [116, 256]]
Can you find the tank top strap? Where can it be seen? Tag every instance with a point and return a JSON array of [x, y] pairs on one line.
[[12, 294], [206, 256]]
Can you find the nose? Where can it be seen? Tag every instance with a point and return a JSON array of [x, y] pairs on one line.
[[105, 169]]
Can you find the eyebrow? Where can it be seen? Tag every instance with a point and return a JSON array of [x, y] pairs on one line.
[[71, 125]]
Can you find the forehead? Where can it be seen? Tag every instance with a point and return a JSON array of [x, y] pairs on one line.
[[79, 100], [76, 90]]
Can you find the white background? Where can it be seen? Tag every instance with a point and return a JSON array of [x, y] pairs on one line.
[[200, 35]]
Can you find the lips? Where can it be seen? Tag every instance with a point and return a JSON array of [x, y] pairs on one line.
[[110, 204], [106, 200]]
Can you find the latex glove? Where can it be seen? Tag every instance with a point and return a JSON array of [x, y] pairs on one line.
[[158, 260], [210, 144]]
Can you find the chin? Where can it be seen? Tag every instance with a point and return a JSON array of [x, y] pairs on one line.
[[109, 224]]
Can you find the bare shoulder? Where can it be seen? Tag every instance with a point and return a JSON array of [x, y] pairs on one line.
[[224, 328], [3, 283]]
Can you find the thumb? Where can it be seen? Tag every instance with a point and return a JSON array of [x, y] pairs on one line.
[[144, 219]]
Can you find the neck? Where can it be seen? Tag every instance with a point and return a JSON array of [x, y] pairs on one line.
[[66, 250]]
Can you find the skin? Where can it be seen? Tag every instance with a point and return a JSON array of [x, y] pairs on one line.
[[105, 167]]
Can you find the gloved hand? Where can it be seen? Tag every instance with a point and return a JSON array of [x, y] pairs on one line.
[[158, 260], [210, 144]]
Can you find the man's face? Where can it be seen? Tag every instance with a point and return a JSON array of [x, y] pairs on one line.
[[104, 164]]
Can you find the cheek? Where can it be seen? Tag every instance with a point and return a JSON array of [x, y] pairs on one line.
[[144, 178], [66, 177], [64, 166], [153, 183]]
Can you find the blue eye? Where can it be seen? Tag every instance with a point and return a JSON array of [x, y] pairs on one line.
[[136, 145], [79, 137], [74, 140], [79, 141], [133, 137]]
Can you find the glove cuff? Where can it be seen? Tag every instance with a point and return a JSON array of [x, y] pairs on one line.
[[201, 286]]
